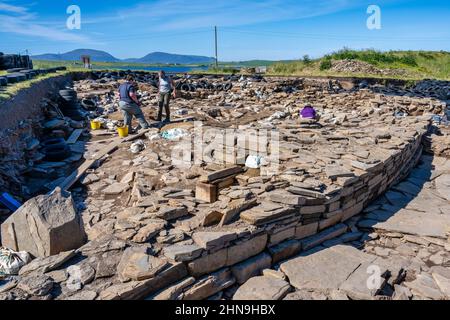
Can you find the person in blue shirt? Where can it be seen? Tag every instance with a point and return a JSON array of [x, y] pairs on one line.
[[129, 104]]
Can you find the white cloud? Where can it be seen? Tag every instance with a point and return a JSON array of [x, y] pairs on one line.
[[13, 9], [19, 20], [163, 15]]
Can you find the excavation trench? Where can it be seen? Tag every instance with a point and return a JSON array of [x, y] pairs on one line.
[[213, 226]]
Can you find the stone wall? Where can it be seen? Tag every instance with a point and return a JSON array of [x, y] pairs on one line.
[[20, 125], [26, 103], [222, 259]]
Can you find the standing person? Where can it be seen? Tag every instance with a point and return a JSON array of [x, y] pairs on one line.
[[166, 87], [130, 105]]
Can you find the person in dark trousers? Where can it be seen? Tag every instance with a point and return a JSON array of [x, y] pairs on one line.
[[166, 88], [130, 105]]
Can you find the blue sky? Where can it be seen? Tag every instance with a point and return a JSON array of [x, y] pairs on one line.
[[248, 29]]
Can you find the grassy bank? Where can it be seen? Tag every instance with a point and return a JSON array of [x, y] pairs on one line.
[[78, 66], [413, 64], [405, 65], [12, 89]]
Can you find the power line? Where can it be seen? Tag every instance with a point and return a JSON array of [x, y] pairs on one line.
[[329, 36]]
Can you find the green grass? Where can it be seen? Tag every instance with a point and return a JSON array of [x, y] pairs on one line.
[[71, 66], [248, 64], [2, 73], [78, 66], [418, 64], [11, 90]]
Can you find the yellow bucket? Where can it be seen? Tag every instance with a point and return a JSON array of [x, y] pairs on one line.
[[95, 125], [123, 132]]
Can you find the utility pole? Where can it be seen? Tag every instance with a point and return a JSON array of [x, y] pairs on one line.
[[217, 59]]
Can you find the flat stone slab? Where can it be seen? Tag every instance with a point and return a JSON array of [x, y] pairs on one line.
[[259, 215], [210, 240], [417, 223], [183, 253], [116, 189], [137, 265], [443, 186], [262, 288], [284, 197], [171, 213], [47, 264], [326, 269]]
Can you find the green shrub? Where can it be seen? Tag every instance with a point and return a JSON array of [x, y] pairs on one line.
[[375, 57], [306, 59], [325, 64], [409, 60]]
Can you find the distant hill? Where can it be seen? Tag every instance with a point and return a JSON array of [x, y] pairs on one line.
[[162, 57], [101, 56], [75, 55]]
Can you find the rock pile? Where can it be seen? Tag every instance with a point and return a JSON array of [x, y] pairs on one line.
[[361, 67]]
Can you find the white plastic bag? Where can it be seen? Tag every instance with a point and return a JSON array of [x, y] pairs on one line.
[[137, 147], [253, 162], [11, 261], [174, 134]]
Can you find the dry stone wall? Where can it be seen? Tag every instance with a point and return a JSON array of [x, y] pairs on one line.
[[290, 230]]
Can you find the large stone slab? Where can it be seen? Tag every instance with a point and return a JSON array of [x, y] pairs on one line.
[[38, 285], [213, 240], [417, 223], [116, 189], [364, 284], [136, 290], [174, 291], [326, 269], [246, 249], [443, 186], [170, 213], [263, 288], [285, 250], [44, 226], [425, 286], [323, 236], [43, 265], [208, 263], [209, 285], [182, 253], [285, 197], [261, 215], [138, 265], [251, 267], [150, 231]]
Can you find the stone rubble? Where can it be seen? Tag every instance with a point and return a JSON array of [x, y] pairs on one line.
[[352, 190]]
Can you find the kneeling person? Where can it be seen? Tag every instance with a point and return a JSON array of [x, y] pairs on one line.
[[130, 105]]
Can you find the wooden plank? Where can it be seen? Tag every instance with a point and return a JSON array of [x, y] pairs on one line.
[[78, 173], [221, 174], [72, 178], [225, 183], [74, 136]]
